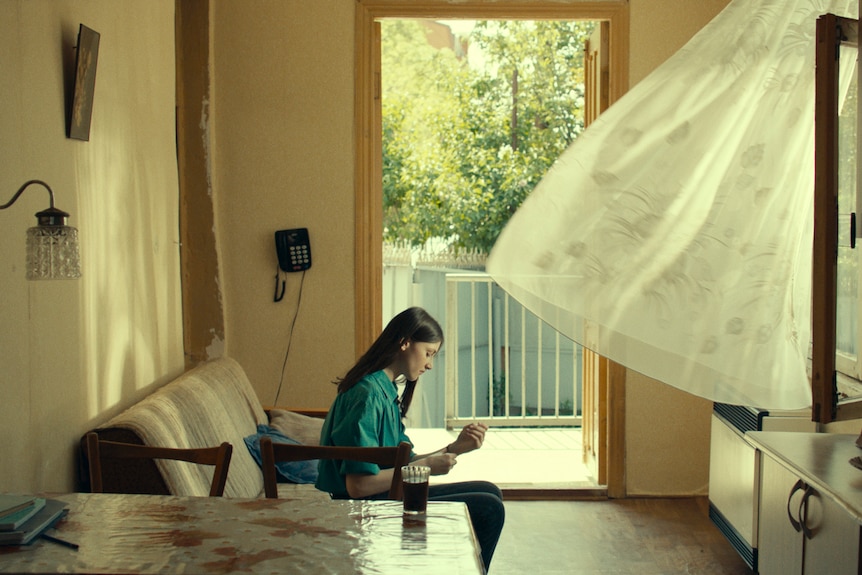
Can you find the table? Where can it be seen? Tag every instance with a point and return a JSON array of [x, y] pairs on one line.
[[166, 534]]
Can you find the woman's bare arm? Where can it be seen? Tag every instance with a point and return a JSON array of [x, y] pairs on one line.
[[472, 437], [441, 462], [361, 485]]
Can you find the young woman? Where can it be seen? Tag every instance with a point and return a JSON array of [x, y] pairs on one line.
[[367, 413]]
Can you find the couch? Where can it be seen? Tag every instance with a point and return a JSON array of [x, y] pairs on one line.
[[212, 403]]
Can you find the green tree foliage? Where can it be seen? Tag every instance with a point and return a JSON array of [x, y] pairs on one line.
[[463, 146]]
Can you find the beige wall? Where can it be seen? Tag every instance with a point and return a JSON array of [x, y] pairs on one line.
[[661, 27], [74, 352], [283, 108], [667, 430]]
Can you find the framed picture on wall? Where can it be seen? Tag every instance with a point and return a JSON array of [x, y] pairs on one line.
[[87, 57]]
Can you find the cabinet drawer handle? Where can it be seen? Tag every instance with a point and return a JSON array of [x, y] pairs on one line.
[[803, 519], [797, 525]]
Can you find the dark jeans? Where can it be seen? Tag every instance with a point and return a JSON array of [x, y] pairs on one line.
[[485, 503]]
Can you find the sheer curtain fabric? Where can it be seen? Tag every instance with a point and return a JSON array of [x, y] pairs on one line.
[[674, 236]]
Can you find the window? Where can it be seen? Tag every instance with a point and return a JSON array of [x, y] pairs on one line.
[[835, 358], [847, 335]]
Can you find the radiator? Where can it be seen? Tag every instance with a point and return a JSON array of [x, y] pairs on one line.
[[733, 477]]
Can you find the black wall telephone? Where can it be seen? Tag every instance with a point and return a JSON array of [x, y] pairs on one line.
[[294, 249], [294, 255]]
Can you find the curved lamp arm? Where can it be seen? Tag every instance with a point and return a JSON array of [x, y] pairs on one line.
[[52, 246], [50, 217]]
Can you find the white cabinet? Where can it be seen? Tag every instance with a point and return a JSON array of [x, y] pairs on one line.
[[810, 504], [780, 545], [734, 474]]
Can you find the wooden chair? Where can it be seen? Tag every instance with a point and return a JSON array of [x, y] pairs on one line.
[[97, 449], [271, 452]]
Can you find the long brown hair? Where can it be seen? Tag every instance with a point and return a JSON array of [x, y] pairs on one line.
[[413, 324]]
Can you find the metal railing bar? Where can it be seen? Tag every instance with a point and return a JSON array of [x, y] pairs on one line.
[[577, 391], [523, 362], [452, 358], [490, 311], [472, 349], [557, 374], [539, 366], [507, 380]]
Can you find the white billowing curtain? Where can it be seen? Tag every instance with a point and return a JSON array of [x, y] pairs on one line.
[[674, 236]]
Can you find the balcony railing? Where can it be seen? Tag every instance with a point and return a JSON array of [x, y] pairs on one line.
[[504, 365]]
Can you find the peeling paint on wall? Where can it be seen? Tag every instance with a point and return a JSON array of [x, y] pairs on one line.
[[205, 143], [216, 346]]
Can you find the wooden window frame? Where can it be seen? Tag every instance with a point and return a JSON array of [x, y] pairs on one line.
[[832, 32]]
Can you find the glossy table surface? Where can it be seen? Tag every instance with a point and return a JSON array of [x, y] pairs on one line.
[[164, 534]]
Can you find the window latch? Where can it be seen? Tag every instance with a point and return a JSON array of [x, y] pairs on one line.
[[847, 230]]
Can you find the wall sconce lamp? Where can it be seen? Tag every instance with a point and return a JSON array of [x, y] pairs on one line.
[[52, 246]]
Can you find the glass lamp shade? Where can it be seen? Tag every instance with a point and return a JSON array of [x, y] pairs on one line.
[[52, 253]]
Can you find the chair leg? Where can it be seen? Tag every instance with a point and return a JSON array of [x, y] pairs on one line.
[[401, 458], [270, 482], [220, 472], [95, 462]]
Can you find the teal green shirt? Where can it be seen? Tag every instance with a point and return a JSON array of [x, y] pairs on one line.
[[366, 415]]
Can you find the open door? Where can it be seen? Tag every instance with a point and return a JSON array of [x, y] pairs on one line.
[[595, 415]]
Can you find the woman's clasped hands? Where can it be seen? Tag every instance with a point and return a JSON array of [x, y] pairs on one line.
[[470, 438]]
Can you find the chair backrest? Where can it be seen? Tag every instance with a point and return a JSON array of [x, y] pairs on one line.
[[97, 449], [271, 452]]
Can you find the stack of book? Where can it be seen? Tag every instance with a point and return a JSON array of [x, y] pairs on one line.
[[23, 518]]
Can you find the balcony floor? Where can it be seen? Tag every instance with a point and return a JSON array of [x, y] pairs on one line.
[[520, 459]]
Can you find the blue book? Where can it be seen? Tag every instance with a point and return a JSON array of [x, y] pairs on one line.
[[15, 520], [44, 519], [10, 503]]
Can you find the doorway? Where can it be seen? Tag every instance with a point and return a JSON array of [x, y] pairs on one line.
[[609, 451]]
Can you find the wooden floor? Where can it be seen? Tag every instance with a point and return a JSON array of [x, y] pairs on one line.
[[619, 537], [638, 536]]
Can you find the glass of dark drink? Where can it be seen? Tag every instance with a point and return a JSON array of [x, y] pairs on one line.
[[415, 484]]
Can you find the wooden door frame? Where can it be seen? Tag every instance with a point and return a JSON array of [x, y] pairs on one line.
[[368, 252], [603, 381]]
